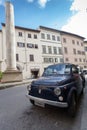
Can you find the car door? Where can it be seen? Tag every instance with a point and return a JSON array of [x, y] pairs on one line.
[[77, 79]]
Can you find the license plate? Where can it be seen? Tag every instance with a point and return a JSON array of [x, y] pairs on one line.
[[39, 104]]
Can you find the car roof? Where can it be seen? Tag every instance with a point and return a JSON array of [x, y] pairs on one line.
[[62, 64]]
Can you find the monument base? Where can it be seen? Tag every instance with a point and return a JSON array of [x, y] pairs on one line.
[[12, 76]]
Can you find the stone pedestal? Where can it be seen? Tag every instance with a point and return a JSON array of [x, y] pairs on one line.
[[12, 76]]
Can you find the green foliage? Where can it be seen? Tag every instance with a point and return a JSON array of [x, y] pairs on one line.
[[1, 74]]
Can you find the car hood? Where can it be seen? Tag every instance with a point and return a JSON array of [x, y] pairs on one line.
[[53, 80]]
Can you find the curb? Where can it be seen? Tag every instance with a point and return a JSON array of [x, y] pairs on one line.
[[8, 85]]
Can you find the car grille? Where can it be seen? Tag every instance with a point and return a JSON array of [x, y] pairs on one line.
[[44, 92]]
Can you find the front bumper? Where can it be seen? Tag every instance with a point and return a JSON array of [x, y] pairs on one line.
[[48, 102]]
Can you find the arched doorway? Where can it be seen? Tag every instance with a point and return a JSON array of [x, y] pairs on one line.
[[34, 73]]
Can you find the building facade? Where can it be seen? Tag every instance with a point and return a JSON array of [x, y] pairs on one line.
[[73, 49], [50, 40], [36, 49], [85, 46]]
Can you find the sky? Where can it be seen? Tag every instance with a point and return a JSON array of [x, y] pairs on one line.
[[66, 15]]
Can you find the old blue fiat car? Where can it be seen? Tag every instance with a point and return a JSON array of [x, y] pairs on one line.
[[60, 85]]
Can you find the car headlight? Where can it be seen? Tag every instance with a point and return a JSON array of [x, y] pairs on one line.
[[57, 91], [29, 87]]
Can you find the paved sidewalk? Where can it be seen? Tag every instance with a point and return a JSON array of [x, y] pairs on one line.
[[7, 85]]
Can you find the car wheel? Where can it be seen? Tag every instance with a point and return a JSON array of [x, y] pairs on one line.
[[72, 106]]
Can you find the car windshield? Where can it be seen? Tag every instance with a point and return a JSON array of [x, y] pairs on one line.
[[57, 69]]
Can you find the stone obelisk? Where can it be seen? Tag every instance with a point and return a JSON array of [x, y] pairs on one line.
[[10, 37], [11, 74]]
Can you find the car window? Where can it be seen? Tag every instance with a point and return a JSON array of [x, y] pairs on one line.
[[74, 69], [67, 69], [57, 69]]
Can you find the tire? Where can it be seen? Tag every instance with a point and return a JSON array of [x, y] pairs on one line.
[[72, 105]]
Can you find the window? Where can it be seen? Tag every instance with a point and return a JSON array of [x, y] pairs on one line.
[[73, 42], [75, 59], [56, 59], [48, 36], [64, 40], [36, 46], [61, 60], [35, 36], [65, 50], [42, 35], [59, 50], [17, 57], [55, 50], [30, 45], [53, 37], [85, 48], [44, 49], [20, 44], [79, 52], [77, 42], [49, 50], [80, 59], [45, 60], [81, 44], [67, 59], [31, 57], [74, 51], [20, 34], [29, 35], [50, 60], [58, 38]]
